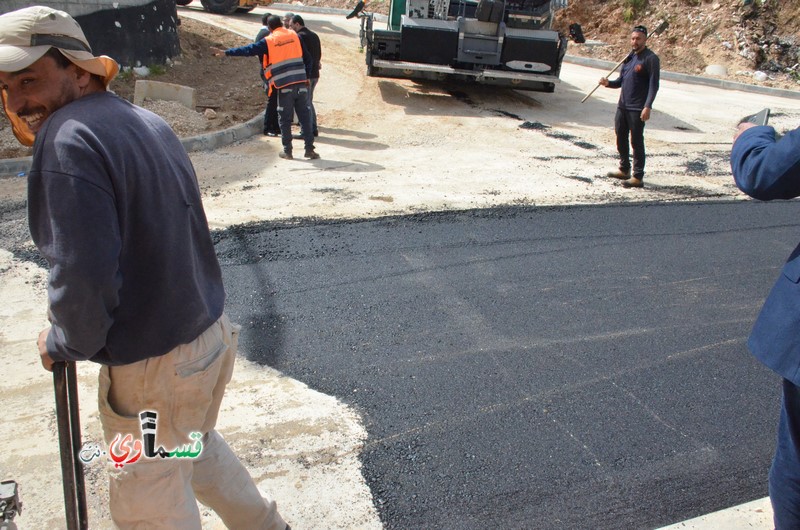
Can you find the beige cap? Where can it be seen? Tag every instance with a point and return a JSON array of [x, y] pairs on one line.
[[27, 34]]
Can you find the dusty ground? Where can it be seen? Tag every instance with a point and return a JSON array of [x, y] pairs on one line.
[[387, 147], [700, 33]]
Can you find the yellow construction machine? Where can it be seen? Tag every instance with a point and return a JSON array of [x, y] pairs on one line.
[[227, 7]]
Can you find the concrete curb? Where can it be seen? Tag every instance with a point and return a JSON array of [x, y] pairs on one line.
[[201, 142], [213, 140], [694, 79]]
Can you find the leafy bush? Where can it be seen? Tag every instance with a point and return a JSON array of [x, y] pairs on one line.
[[632, 8]]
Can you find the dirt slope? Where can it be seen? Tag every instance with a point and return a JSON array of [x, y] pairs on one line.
[[745, 38]]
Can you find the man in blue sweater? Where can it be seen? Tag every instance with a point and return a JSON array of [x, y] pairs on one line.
[[114, 207], [768, 169], [638, 79]]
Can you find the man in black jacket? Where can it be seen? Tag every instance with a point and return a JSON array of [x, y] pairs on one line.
[[639, 80], [311, 43]]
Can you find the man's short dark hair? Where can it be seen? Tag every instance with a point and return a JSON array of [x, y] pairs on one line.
[[297, 19], [274, 22], [63, 62], [60, 59], [640, 29], [265, 18]]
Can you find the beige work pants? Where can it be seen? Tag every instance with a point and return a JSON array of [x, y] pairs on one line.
[[185, 387]]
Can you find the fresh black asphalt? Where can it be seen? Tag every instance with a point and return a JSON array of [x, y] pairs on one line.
[[576, 367]]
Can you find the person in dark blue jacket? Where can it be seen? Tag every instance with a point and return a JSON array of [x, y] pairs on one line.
[[639, 80], [767, 169]]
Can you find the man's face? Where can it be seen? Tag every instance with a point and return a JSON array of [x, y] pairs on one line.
[[36, 92], [287, 22], [295, 26], [638, 41]]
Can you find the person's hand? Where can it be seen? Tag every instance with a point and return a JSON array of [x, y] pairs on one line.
[[603, 81], [645, 114], [41, 342], [217, 52], [742, 127]]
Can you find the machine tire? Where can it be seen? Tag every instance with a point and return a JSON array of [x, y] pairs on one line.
[[369, 61], [183, 2], [221, 7], [245, 9]]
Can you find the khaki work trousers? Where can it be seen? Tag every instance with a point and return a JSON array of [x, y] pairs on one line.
[[185, 388]]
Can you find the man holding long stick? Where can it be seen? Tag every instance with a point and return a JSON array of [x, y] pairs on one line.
[[114, 207], [638, 79]]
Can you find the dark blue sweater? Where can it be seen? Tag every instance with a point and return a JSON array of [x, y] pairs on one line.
[[114, 207], [638, 79]]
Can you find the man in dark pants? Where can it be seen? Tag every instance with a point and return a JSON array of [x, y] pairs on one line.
[[638, 80], [311, 43], [285, 65], [271, 126], [769, 169]]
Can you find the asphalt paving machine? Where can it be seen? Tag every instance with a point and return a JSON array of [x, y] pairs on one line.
[[507, 43]]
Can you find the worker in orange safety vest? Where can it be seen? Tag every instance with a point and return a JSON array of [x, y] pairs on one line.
[[286, 66]]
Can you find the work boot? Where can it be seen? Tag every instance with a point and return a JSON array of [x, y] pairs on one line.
[[633, 183], [619, 174], [286, 155], [310, 153]]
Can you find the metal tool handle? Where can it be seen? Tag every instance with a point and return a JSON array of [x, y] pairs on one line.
[[65, 383]]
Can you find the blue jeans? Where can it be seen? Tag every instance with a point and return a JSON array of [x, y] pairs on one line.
[[290, 99], [312, 85], [784, 475]]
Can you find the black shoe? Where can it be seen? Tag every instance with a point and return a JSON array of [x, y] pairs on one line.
[[272, 134], [310, 153], [316, 133], [297, 136], [287, 155]]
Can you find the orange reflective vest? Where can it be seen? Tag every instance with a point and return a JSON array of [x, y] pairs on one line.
[[285, 56]]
